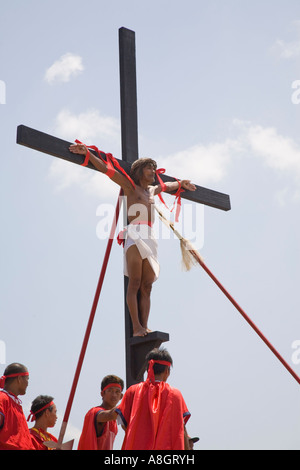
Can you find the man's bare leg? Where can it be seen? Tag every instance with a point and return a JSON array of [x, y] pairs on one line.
[[134, 266], [148, 277]]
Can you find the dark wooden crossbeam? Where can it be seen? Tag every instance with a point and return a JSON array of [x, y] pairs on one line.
[[59, 148]]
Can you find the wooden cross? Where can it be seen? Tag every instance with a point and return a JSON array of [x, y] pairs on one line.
[[136, 347]]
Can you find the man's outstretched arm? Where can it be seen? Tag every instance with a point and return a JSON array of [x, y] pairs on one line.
[[117, 178], [107, 415], [172, 186]]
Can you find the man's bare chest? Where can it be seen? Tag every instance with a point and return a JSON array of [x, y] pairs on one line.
[[142, 196]]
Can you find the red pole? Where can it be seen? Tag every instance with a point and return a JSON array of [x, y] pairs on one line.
[[90, 322], [286, 365]]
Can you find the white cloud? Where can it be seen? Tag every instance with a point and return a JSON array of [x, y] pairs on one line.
[[211, 163], [66, 175], [64, 68], [289, 49], [280, 153], [87, 126], [206, 163], [93, 129]]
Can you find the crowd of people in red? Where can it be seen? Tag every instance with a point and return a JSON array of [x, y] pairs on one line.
[[152, 413]]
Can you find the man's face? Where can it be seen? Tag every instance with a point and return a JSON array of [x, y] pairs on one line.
[[149, 173], [23, 383], [111, 396], [51, 416]]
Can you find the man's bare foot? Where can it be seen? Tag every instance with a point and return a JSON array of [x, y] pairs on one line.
[[148, 330], [140, 332]]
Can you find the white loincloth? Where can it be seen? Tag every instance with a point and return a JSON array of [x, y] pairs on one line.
[[143, 237]]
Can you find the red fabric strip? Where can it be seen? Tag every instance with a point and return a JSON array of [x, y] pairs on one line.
[[151, 376], [160, 171], [4, 377], [177, 194], [121, 236], [33, 415], [87, 157], [112, 385], [110, 162]]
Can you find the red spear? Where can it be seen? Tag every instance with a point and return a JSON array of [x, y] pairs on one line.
[[60, 445]]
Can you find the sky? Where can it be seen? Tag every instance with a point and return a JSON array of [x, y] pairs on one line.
[[218, 87]]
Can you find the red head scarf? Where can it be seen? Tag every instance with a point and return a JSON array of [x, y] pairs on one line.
[[151, 376], [32, 414], [4, 377]]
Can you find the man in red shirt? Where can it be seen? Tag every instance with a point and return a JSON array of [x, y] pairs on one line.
[[96, 433], [14, 432], [43, 412], [153, 413]]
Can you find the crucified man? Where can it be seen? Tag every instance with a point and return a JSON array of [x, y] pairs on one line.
[[140, 246]]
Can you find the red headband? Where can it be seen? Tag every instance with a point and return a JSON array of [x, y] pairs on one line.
[[33, 414], [151, 376], [4, 377], [111, 385]]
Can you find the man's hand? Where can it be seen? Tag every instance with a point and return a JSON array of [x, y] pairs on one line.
[[186, 184], [78, 148]]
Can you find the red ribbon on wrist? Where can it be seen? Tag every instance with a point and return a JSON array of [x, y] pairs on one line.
[[110, 162]]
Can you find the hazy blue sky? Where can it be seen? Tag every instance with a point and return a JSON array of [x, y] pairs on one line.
[[218, 102]]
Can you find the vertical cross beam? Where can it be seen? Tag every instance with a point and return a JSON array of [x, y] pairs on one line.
[[128, 94], [129, 138], [135, 348]]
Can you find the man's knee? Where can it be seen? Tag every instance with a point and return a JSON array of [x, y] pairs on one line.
[[146, 288], [134, 285]]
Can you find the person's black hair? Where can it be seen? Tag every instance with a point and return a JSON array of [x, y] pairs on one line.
[[39, 402], [14, 368], [111, 379], [159, 354]]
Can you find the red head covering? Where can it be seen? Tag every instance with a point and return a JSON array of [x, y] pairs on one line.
[[4, 377], [112, 385], [33, 414], [151, 376]]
